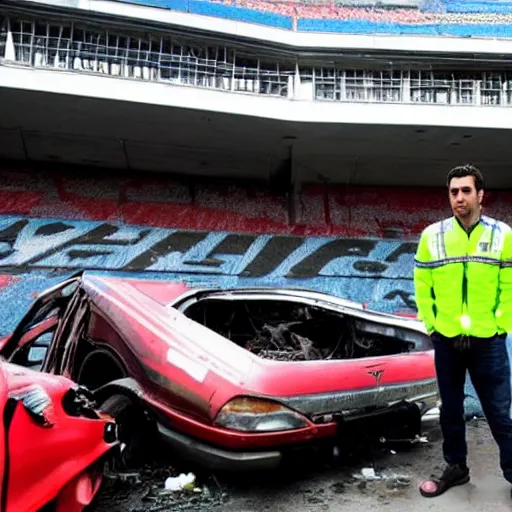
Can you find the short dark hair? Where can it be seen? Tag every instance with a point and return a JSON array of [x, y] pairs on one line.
[[462, 171]]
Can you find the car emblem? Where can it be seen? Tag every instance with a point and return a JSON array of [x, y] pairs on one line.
[[377, 374]]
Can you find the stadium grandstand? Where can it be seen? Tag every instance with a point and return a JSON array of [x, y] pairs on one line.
[[325, 89], [413, 17]]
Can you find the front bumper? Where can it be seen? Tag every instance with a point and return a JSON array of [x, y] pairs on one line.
[[216, 458]]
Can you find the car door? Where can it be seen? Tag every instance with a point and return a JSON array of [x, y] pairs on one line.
[[31, 340]]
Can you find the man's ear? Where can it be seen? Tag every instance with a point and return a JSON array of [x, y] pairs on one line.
[[480, 196]]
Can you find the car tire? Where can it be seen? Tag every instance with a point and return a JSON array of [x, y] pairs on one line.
[[133, 429]]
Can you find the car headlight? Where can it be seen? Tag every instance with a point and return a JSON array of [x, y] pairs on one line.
[[258, 415]]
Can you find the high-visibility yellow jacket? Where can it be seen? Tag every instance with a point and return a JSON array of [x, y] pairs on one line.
[[463, 282]]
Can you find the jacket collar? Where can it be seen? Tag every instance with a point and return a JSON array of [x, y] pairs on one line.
[[471, 228]]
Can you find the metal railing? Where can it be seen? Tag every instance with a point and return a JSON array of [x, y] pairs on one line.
[[143, 57], [168, 59], [412, 87]]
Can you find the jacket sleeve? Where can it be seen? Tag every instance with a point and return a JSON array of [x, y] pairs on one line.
[[504, 309], [423, 285]]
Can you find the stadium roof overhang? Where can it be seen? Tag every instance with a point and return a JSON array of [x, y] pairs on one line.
[[66, 117], [355, 143]]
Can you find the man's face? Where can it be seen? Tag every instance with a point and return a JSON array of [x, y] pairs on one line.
[[464, 199]]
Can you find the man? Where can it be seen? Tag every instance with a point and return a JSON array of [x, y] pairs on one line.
[[463, 284]]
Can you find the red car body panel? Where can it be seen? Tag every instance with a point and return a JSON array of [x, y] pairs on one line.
[[185, 373], [48, 462], [217, 359]]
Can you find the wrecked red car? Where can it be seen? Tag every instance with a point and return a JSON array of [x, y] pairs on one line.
[[232, 378], [53, 442]]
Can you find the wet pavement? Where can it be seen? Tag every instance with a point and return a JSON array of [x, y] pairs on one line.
[[323, 483]]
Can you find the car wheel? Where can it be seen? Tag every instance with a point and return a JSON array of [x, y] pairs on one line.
[[133, 429]]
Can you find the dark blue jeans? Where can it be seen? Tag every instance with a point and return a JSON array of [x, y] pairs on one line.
[[489, 368]]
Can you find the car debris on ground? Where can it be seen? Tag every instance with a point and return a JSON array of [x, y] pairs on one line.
[[159, 487], [393, 481], [181, 482]]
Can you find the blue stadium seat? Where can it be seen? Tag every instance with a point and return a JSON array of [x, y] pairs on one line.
[[481, 7], [219, 10], [367, 27], [468, 27], [240, 14]]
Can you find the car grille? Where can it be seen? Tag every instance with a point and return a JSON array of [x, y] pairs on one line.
[[351, 401]]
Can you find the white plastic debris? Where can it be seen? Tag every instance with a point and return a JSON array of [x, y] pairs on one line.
[[392, 452], [178, 483], [369, 474]]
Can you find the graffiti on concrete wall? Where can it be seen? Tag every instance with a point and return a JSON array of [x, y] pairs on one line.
[[372, 271], [47, 243]]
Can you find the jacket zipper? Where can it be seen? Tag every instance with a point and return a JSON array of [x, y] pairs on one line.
[[465, 287], [465, 306]]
